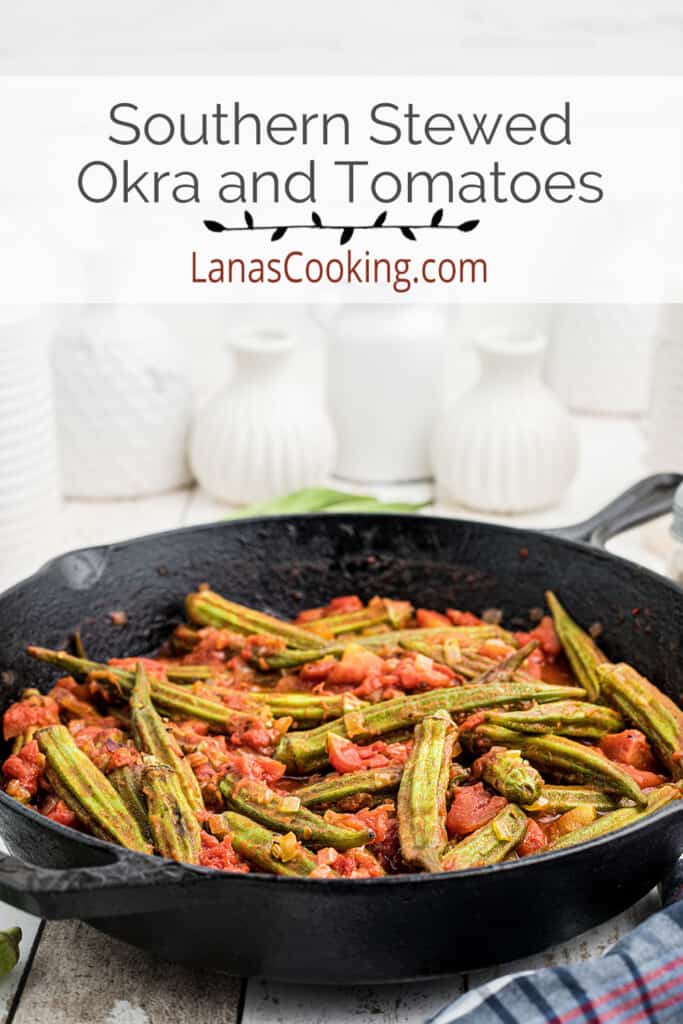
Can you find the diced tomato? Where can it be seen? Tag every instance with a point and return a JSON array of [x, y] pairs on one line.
[[30, 713], [646, 780], [258, 646], [56, 810], [343, 754], [472, 808], [379, 820], [399, 612], [427, 619], [545, 633], [342, 605], [219, 854], [121, 757], [26, 767], [629, 747], [475, 719], [418, 672], [99, 741], [355, 665], [153, 668], [256, 736], [254, 766], [534, 840], [189, 733], [457, 618], [346, 756], [309, 615], [496, 649], [317, 671], [356, 863]]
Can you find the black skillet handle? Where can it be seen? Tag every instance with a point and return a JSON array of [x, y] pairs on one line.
[[646, 500], [128, 883]]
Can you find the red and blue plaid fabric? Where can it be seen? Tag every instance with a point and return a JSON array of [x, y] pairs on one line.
[[639, 981]]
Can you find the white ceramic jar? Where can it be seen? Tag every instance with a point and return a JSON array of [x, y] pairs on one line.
[[266, 433], [664, 424], [124, 401], [30, 516], [600, 357], [386, 383], [507, 445]]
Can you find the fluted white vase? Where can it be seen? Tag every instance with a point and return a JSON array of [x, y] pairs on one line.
[[507, 445], [123, 399], [263, 435], [30, 507]]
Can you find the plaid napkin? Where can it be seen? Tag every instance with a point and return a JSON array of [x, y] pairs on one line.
[[639, 980]]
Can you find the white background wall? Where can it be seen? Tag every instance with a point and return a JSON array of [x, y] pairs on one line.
[[372, 36]]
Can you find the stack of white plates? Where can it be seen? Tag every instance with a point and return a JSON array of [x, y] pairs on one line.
[[29, 488], [664, 426]]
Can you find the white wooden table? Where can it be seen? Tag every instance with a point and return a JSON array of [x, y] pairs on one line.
[[70, 974]]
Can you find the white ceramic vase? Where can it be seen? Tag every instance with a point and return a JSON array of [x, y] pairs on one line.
[[664, 424], [507, 445], [600, 357], [264, 434], [30, 526], [386, 381], [123, 399]]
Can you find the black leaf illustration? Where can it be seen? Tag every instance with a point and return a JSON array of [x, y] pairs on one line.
[[346, 236], [437, 218], [380, 220], [467, 225], [408, 233], [278, 233], [316, 220], [249, 219], [213, 225]]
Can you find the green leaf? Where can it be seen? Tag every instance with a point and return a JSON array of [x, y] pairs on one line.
[[311, 499], [323, 499], [377, 506]]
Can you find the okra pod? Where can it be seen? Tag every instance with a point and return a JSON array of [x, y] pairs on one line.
[[614, 820], [269, 851], [564, 718], [434, 634], [9, 949], [304, 708], [648, 709], [333, 788], [387, 641], [175, 830], [83, 788], [562, 756], [210, 609], [169, 697], [153, 738], [306, 751], [127, 781], [421, 804], [558, 799], [582, 652], [285, 813], [488, 845], [506, 771]]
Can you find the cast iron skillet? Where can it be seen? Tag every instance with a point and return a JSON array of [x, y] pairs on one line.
[[324, 931]]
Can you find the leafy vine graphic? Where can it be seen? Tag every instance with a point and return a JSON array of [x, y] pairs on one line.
[[346, 231]]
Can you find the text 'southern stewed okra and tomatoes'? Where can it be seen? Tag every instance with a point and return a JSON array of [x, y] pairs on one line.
[[357, 741]]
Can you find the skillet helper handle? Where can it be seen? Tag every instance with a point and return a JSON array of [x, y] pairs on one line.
[[648, 499], [102, 890]]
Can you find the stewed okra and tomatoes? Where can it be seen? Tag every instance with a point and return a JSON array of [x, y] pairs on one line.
[[356, 741]]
